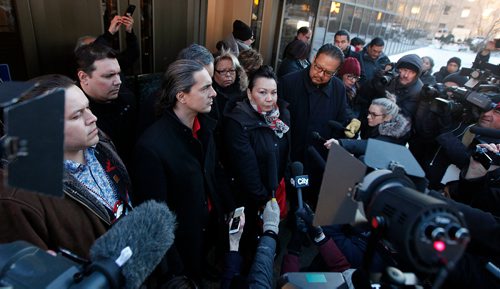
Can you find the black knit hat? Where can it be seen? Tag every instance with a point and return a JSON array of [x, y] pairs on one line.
[[456, 60], [241, 31], [460, 80]]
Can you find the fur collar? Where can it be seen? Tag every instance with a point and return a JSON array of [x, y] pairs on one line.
[[396, 127]]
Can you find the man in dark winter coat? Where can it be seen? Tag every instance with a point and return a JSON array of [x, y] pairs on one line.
[[341, 40], [176, 162], [315, 98], [373, 59], [407, 84], [452, 66], [114, 105]]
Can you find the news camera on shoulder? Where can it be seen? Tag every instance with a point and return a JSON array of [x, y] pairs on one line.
[[465, 94]]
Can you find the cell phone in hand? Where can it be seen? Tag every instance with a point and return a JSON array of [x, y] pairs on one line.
[[130, 10], [235, 225]]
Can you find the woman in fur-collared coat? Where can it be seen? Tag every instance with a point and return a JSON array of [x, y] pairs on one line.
[[385, 122]]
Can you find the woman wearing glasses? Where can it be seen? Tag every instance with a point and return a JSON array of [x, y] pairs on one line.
[[230, 82], [349, 73], [385, 123]]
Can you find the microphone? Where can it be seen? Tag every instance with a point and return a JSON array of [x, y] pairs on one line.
[[314, 154], [148, 231], [335, 125], [272, 173], [318, 137], [298, 180], [487, 132]]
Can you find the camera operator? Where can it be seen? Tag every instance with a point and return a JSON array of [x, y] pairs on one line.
[[479, 184], [401, 80], [441, 130]]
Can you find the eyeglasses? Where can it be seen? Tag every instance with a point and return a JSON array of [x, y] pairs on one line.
[[320, 69], [226, 72], [352, 77], [374, 115]]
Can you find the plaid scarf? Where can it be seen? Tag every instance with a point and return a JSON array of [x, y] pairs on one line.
[[273, 121]]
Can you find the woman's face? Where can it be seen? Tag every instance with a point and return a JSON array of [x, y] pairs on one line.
[[264, 93], [225, 73], [427, 64], [376, 115], [349, 79]]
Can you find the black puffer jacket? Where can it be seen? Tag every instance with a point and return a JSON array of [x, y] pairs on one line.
[[252, 147]]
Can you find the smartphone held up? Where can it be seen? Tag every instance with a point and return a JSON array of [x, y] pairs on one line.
[[236, 220]]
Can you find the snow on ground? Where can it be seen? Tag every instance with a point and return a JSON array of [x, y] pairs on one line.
[[442, 55]]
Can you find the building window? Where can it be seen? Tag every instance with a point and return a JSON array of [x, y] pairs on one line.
[[447, 9], [465, 13]]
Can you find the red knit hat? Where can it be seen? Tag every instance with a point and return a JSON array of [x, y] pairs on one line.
[[350, 66]]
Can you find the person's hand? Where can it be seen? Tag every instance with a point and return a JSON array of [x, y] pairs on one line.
[[271, 216], [114, 26], [307, 216], [234, 239], [328, 143], [476, 169], [352, 128], [128, 22]]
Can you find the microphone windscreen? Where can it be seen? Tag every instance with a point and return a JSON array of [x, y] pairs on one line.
[[148, 230], [297, 169]]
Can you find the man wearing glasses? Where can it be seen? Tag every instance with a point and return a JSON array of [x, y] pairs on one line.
[[315, 97]]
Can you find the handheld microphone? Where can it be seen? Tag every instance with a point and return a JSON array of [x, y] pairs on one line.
[[318, 137], [272, 173], [335, 125], [487, 132], [314, 154], [298, 180], [148, 231]]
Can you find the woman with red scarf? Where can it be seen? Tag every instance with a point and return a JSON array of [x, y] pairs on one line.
[[257, 139]]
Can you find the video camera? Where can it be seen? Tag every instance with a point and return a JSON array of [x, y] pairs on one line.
[[429, 235], [390, 73], [466, 102]]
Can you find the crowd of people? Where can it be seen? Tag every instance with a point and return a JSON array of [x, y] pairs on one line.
[[221, 134]]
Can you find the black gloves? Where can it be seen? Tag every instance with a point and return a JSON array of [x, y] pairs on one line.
[[305, 218]]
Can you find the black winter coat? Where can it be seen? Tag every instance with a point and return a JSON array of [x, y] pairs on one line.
[[288, 66], [441, 74], [311, 107], [427, 78], [407, 96], [176, 168], [253, 146]]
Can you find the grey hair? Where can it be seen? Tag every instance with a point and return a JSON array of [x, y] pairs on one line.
[[240, 72], [198, 53], [179, 77], [388, 106]]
